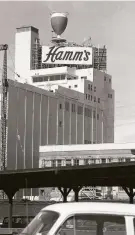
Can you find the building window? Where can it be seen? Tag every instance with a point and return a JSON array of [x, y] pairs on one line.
[[60, 123], [84, 77], [97, 116], [103, 160], [53, 163], [93, 161], [109, 95], [87, 112], [91, 97], [88, 86], [80, 110], [86, 161], [75, 86], [59, 163], [98, 100], [121, 159], [73, 108], [69, 86], [67, 106], [109, 80], [94, 88], [91, 87], [86, 96], [104, 78], [60, 105], [94, 98], [68, 162], [76, 162], [62, 77], [43, 163]]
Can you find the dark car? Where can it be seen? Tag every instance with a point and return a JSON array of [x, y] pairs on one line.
[[17, 221]]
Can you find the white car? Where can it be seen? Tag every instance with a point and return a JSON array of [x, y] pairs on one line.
[[84, 218]]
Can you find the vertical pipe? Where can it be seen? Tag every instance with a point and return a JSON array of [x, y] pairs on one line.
[[76, 122], [25, 106], [40, 125], [102, 129], [47, 120], [83, 123], [92, 126], [24, 144], [17, 132], [32, 145], [70, 110], [57, 121], [33, 126], [63, 114], [96, 121]]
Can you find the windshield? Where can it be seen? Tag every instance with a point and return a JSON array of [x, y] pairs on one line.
[[42, 223]]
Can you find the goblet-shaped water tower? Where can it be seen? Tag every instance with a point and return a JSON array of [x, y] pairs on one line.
[[59, 23]]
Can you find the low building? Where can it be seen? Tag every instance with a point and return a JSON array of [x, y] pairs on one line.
[[71, 155]]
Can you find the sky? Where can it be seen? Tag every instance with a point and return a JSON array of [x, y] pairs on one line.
[[107, 23]]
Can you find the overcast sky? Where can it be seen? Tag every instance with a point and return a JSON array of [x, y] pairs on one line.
[[109, 23]]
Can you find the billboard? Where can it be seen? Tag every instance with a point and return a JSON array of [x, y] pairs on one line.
[[67, 55]]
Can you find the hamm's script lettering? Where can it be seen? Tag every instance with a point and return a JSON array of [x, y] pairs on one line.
[[55, 54]]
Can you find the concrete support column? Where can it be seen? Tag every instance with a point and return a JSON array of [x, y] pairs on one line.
[[10, 193], [64, 192], [130, 193], [76, 191]]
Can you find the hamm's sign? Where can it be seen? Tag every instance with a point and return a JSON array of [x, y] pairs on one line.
[[67, 55]]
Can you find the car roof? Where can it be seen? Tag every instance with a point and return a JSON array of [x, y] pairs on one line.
[[92, 207]]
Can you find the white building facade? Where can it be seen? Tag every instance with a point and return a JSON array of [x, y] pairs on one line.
[[90, 114]]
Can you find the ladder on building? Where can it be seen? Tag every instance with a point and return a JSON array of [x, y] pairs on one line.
[[4, 88]]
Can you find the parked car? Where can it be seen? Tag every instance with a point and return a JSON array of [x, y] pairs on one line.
[[17, 221], [83, 218]]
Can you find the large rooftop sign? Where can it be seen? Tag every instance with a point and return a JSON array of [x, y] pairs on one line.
[[67, 55]]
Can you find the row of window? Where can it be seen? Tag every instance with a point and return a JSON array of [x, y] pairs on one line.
[[88, 112], [105, 79], [49, 78], [91, 88], [87, 142], [89, 97], [85, 161], [75, 86], [71, 78]]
